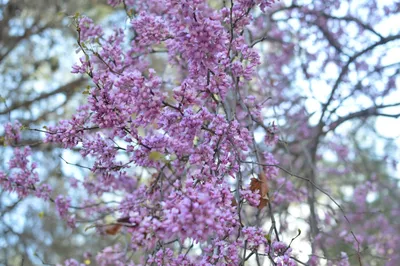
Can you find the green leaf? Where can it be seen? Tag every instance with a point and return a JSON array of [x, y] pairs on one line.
[[268, 237], [3, 141], [195, 140], [156, 156], [141, 131]]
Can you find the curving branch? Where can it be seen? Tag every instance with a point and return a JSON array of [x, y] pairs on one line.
[[67, 89]]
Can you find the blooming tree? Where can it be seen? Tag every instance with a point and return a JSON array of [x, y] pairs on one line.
[[172, 152]]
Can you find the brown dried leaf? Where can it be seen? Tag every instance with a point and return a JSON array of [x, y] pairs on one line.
[[262, 187], [114, 229], [234, 202]]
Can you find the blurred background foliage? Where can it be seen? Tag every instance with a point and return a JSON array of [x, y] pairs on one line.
[[37, 50]]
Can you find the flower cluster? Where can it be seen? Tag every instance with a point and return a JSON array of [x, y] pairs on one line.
[[88, 30], [199, 213], [12, 133], [69, 132], [22, 177], [253, 198], [189, 137], [62, 205], [255, 238], [151, 29], [281, 254]]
